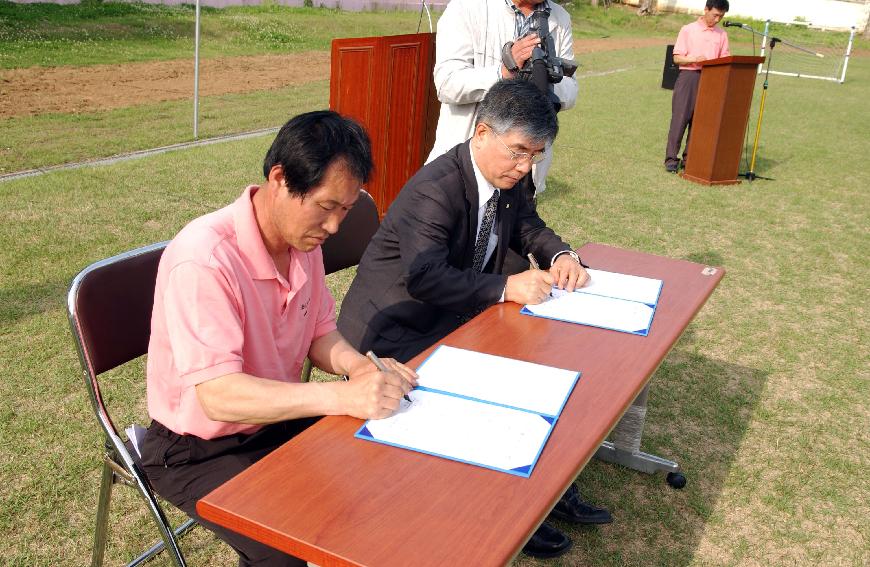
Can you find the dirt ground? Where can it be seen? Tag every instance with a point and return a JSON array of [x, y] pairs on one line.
[[39, 90]]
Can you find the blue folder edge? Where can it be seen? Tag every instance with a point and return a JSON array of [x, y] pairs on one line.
[[640, 332], [524, 471]]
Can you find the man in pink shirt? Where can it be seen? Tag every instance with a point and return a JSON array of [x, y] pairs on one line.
[[699, 41], [240, 302]]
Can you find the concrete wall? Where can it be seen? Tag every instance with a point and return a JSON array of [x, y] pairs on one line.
[[825, 14], [353, 5]]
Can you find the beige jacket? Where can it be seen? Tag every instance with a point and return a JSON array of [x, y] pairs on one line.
[[468, 46]]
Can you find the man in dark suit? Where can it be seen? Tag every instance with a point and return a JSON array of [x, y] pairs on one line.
[[438, 257]]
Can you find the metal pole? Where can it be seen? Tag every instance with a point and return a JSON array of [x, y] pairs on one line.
[[763, 44], [848, 52], [750, 175], [424, 7], [196, 76]]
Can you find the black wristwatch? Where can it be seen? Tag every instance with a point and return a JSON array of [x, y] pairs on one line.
[[508, 58]]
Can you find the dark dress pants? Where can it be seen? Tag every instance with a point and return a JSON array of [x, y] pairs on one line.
[[184, 468], [682, 109]]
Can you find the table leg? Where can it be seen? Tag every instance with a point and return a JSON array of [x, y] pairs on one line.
[[624, 449]]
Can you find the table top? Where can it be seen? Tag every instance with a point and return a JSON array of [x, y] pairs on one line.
[[332, 499]]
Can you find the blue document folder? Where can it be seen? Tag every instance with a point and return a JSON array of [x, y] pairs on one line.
[[480, 409], [618, 302]]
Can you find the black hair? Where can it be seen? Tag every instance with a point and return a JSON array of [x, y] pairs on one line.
[[521, 106], [718, 5], [309, 143]]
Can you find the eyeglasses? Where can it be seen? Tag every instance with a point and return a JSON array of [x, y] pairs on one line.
[[520, 157]]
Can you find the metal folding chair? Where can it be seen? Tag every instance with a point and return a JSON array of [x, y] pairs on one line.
[[346, 247], [109, 308]]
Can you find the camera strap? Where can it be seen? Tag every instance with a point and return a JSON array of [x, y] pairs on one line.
[[507, 57]]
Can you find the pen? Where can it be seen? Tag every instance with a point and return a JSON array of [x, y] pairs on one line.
[[535, 266], [380, 365]]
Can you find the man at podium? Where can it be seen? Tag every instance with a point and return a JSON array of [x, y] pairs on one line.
[[699, 41]]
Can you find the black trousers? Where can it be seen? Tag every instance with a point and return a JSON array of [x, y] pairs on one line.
[[184, 468], [682, 109]]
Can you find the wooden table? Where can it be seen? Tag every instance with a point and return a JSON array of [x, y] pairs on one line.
[[335, 500]]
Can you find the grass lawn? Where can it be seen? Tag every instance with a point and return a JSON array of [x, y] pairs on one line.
[[99, 33], [116, 33], [50, 139], [764, 401]]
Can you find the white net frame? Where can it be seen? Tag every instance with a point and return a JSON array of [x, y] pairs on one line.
[[805, 59]]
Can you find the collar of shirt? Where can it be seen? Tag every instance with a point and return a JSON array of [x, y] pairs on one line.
[[253, 250], [521, 21]]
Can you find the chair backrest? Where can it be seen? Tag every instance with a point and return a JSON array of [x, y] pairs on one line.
[[109, 307], [345, 248]]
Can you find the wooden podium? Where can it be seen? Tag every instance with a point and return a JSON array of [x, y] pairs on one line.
[[386, 84], [720, 119]]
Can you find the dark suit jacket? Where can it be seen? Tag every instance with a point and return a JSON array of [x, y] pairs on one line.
[[415, 281]]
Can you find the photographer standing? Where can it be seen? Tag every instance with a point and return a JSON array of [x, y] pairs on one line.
[[473, 53]]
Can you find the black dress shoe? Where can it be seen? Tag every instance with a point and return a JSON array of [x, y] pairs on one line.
[[547, 542], [570, 508], [672, 167]]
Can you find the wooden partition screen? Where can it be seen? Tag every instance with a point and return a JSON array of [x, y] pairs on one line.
[[720, 119], [386, 84]]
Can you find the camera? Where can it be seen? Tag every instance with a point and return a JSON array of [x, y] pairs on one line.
[[542, 68]]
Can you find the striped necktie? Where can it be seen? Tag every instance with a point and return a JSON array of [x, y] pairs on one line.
[[485, 229]]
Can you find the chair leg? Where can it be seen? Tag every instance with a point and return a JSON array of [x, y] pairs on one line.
[[100, 532], [113, 471], [166, 533], [158, 547]]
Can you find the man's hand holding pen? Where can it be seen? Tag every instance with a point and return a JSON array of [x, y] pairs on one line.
[[530, 287], [375, 389], [533, 286]]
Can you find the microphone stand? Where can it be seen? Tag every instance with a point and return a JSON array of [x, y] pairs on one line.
[[747, 28], [750, 175]]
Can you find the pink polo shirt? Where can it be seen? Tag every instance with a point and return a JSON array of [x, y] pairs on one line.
[[221, 307], [697, 39]]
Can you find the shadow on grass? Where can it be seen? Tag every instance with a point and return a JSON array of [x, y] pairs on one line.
[[26, 301], [698, 414], [763, 166], [555, 189]]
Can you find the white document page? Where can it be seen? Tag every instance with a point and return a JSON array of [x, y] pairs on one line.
[[136, 435], [598, 311], [466, 430], [619, 286], [534, 387]]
